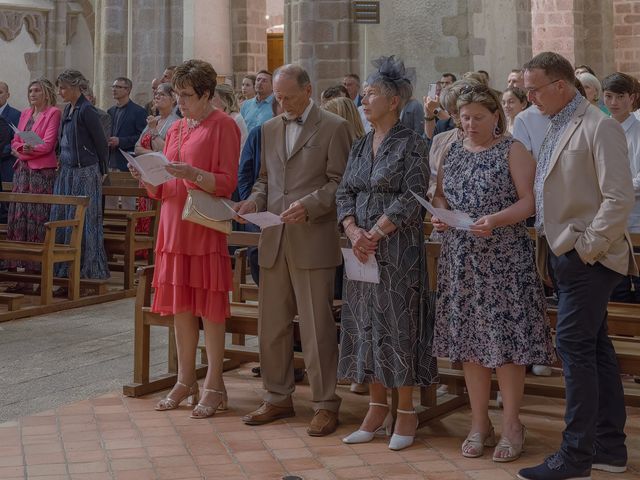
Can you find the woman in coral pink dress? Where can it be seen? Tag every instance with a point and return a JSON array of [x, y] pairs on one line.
[[193, 270]]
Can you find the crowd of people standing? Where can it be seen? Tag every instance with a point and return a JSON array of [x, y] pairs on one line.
[[355, 164]]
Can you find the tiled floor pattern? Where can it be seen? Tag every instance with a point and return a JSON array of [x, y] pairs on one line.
[[117, 438]]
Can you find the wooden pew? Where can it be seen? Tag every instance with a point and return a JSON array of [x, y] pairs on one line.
[[49, 252], [120, 237]]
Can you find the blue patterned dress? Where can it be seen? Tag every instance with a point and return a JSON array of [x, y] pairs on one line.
[[80, 181], [490, 307], [385, 337]]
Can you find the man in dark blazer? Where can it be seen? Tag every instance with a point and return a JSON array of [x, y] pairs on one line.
[[10, 115], [128, 120]]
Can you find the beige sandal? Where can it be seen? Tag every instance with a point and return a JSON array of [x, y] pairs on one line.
[[206, 411], [473, 446], [514, 450], [169, 403]]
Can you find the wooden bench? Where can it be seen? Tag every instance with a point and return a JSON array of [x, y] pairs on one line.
[[48, 253], [120, 236]]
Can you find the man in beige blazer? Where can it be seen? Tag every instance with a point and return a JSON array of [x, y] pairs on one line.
[[304, 154], [584, 195]]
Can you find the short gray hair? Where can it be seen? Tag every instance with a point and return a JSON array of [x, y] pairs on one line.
[[294, 71]]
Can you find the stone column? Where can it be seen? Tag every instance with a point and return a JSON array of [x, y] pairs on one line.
[[111, 47], [248, 37], [321, 36]]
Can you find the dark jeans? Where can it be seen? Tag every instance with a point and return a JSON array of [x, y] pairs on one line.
[[595, 412]]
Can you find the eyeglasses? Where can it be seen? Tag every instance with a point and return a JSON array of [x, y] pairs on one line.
[[159, 95], [534, 91]]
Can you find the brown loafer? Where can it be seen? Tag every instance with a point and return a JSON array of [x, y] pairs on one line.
[[267, 413], [323, 423]]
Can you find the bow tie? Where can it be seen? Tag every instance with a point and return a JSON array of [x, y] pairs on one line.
[[298, 120]]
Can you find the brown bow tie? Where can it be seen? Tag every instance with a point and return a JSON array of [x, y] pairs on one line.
[[298, 120]]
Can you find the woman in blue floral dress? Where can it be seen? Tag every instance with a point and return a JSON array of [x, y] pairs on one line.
[[490, 309]]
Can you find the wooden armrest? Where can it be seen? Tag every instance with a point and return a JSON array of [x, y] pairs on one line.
[[61, 223], [240, 252]]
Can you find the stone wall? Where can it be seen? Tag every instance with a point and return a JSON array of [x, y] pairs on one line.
[[581, 30], [320, 35], [626, 25], [248, 37]]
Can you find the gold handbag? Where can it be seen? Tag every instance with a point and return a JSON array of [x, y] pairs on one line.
[[208, 211], [205, 209]]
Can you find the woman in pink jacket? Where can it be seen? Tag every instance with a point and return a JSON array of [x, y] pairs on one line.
[[35, 169]]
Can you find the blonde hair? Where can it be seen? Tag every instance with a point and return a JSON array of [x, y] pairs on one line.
[[47, 88], [483, 95], [345, 108], [228, 97]]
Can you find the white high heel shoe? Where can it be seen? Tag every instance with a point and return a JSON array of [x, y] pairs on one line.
[[398, 442], [362, 436]]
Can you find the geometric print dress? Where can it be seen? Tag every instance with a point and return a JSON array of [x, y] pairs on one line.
[[490, 307], [384, 334]]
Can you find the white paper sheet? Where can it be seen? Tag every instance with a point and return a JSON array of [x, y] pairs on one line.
[[30, 138], [151, 167], [361, 272], [262, 219], [453, 218]]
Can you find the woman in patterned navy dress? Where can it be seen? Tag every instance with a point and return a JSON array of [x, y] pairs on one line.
[[385, 341], [490, 309]]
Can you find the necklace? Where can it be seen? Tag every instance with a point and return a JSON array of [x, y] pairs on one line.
[[192, 123]]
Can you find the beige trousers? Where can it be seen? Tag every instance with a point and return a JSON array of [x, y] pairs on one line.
[[284, 291]]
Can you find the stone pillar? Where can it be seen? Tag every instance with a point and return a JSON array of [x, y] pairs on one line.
[[111, 47], [56, 39], [580, 30], [157, 42], [626, 36], [249, 37], [501, 37], [321, 36], [555, 27]]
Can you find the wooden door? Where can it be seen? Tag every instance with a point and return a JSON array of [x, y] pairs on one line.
[[275, 50]]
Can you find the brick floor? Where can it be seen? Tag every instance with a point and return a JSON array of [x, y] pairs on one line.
[[117, 438]]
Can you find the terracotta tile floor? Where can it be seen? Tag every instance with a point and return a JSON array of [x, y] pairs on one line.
[[118, 438]]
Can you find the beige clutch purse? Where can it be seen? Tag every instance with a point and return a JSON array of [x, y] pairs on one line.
[[208, 211]]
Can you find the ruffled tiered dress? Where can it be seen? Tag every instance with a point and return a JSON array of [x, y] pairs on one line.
[[193, 268]]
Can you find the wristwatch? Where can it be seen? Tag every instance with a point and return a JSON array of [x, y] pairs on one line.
[[436, 112], [199, 178]]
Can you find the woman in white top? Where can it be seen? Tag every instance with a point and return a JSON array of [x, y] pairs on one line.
[[225, 99], [620, 95]]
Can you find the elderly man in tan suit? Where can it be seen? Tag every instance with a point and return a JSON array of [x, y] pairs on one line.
[[584, 195], [304, 154]]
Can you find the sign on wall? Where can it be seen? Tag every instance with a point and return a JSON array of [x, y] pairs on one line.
[[366, 11]]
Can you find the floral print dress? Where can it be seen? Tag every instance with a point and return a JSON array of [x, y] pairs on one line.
[[490, 307]]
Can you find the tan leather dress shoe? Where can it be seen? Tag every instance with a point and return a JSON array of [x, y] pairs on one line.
[[323, 423], [267, 413]]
